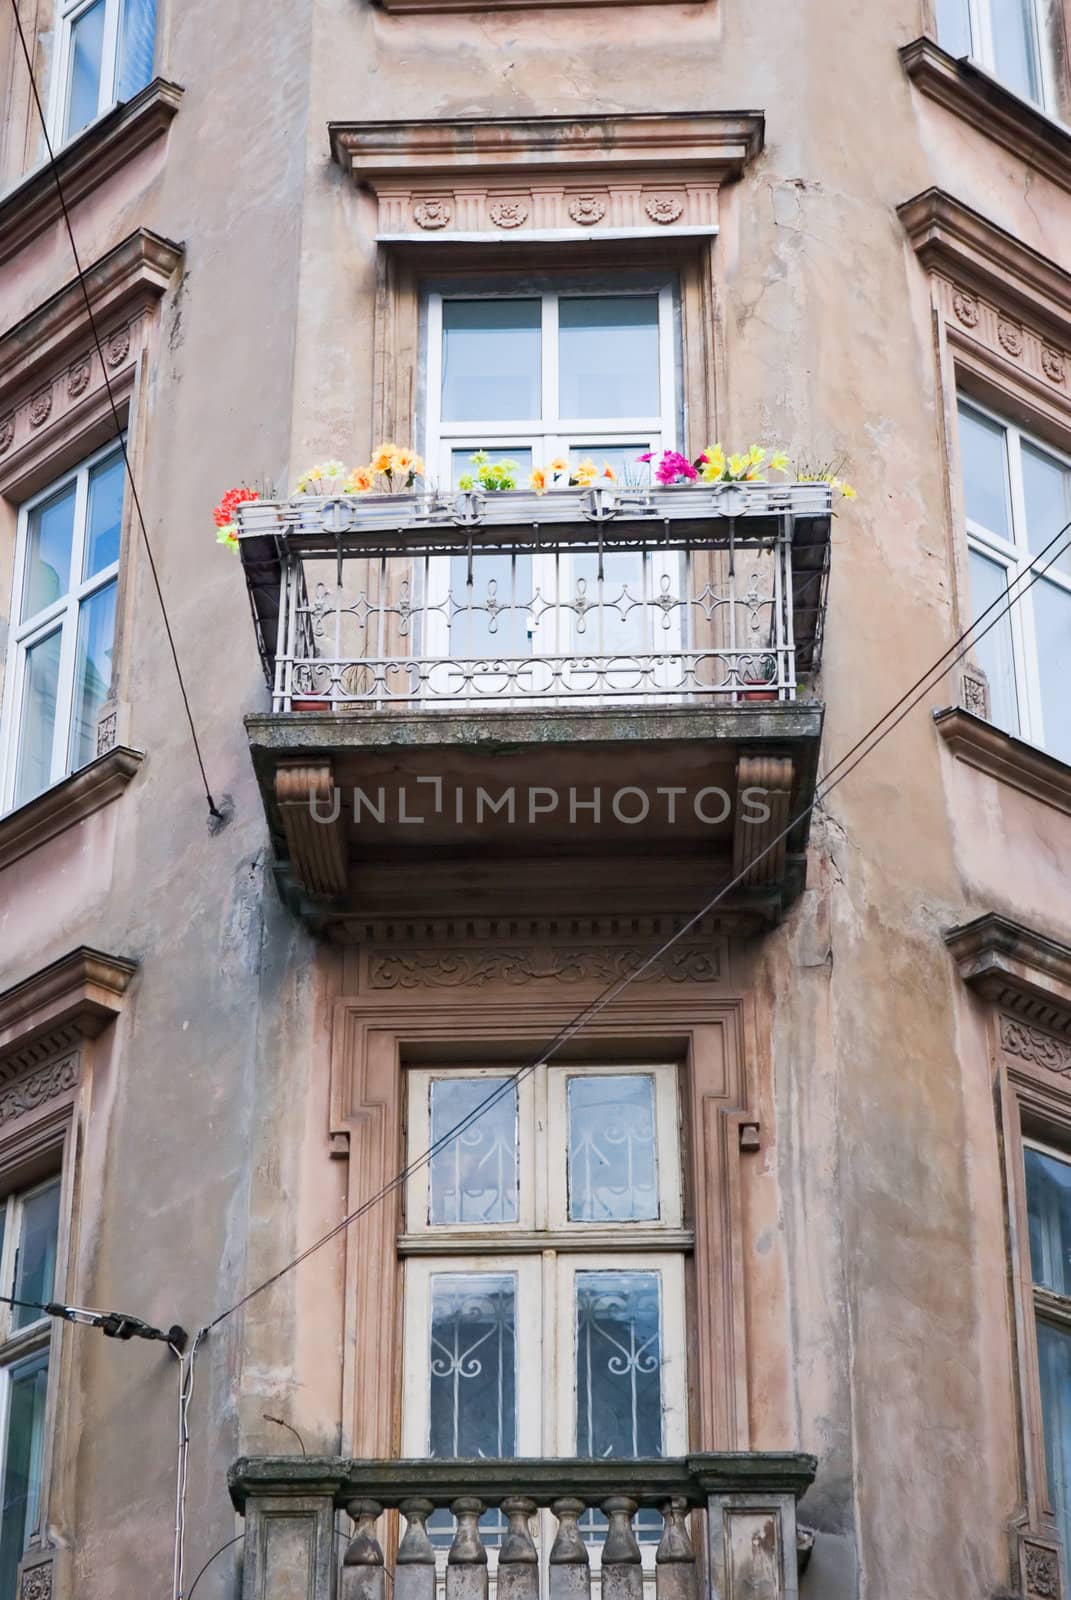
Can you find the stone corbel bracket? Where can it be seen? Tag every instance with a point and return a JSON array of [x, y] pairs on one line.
[[309, 804], [764, 787], [1023, 972]]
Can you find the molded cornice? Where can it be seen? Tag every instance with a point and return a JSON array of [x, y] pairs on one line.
[[963, 87], [1022, 971], [66, 803], [72, 998], [84, 164], [1002, 756]]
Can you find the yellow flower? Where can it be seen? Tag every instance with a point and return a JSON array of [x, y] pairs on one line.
[[228, 535], [384, 458], [847, 491], [738, 465], [756, 455], [779, 461], [714, 465], [586, 472], [608, 472], [537, 480], [559, 464], [359, 481]]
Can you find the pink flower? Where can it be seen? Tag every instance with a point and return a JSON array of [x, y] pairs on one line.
[[648, 457], [674, 466]]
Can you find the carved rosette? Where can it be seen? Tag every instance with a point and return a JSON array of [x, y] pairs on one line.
[[1052, 365], [78, 377], [664, 208], [974, 692], [7, 433], [1010, 337], [1041, 1571], [432, 213], [587, 209], [40, 407], [36, 1582], [117, 347], [966, 308], [1038, 1048], [508, 213]]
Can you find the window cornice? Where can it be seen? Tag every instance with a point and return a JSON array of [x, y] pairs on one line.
[[1022, 971], [72, 998], [969, 91], [85, 163], [63, 804], [989, 749]]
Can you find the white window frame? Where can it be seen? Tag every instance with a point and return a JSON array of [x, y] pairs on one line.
[[1014, 555], [35, 1339], [61, 615], [69, 12], [980, 23]]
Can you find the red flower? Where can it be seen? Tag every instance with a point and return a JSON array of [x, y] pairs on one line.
[[225, 511]]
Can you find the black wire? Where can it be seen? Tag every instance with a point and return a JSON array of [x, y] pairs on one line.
[[213, 810], [189, 1592], [611, 992]]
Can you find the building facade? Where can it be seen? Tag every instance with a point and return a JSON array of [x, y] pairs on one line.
[[703, 1125]]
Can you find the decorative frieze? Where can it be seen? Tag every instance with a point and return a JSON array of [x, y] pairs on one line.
[[441, 968], [1038, 1048], [37, 1088], [544, 207], [1008, 342]]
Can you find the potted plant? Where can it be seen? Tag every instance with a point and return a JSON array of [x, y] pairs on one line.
[[759, 671]]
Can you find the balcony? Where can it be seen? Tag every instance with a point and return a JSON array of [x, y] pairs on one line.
[[431, 656], [676, 1529]]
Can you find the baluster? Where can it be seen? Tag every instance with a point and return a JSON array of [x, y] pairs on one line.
[[570, 1568], [622, 1574], [675, 1570], [414, 1577], [363, 1577], [466, 1564], [518, 1563]]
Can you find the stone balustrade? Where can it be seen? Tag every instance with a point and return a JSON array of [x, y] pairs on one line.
[[747, 1502]]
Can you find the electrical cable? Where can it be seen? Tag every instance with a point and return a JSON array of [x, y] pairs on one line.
[[213, 809], [613, 990]]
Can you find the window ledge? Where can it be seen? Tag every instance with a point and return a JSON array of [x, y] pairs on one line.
[[66, 803], [1001, 755], [1021, 970], [84, 164], [966, 89], [492, 1241], [74, 997]]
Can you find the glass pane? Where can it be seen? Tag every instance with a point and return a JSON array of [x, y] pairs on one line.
[[33, 769], [618, 1364], [984, 454], [104, 515], [491, 360], [473, 1178], [1048, 1205], [473, 1364], [36, 1263], [1014, 46], [23, 1449], [87, 44], [613, 1169], [622, 459], [1054, 1362], [1052, 632], [92, 672], [954, 27], [461, 464], [608, 356], [48, 553], [136, 42], [994, 649], [1047, 495]]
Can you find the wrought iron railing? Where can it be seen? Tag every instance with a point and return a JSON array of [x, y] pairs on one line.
[[657, 595]]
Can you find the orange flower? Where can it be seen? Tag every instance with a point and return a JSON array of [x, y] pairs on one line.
[[559, 464], [385, 458], [537, 480], [360, 481], [608, 472]]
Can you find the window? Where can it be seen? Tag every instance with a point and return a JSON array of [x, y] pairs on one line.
[[29, 1228], [1005, 36], [63, 626], [544, 1278], [104, 55], [1048, 1194], [1017, 497]]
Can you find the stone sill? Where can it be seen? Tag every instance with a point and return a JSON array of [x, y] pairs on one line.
[[84, 164], [1001, 755], [967, 90], [66, 803]]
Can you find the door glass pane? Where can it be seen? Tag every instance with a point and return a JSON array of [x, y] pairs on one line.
[[613, 1169], [48, 553], [103, 516], [36, 1269], [1048, 1204], [1052, 631], [136, 41], [33, 770], [23, 1446], [473, 1178], [473, 1364], [994, 649], [491, 360], [92, 672], [1014, 46], [954, 27], [618, 1364], [1054, 1363], [622, 459], [608, 356], [984, 454], [1047, 496], [461, 465], [87, 44]]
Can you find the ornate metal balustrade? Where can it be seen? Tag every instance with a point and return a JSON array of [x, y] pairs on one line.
[[660, 595], [728, 1527]]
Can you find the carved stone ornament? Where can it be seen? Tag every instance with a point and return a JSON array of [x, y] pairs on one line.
[[664, 208], [37, 1582], [78, 377], [40, 408], [508, 213], [1041, 1568], [974, 692], [587, 209], [433, 969], [118, 347], [432, 213], [107, 724], [7, 433], [1053, 365], [36, 1088], [1010, 337], [966, 308], [1040, 1049]]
